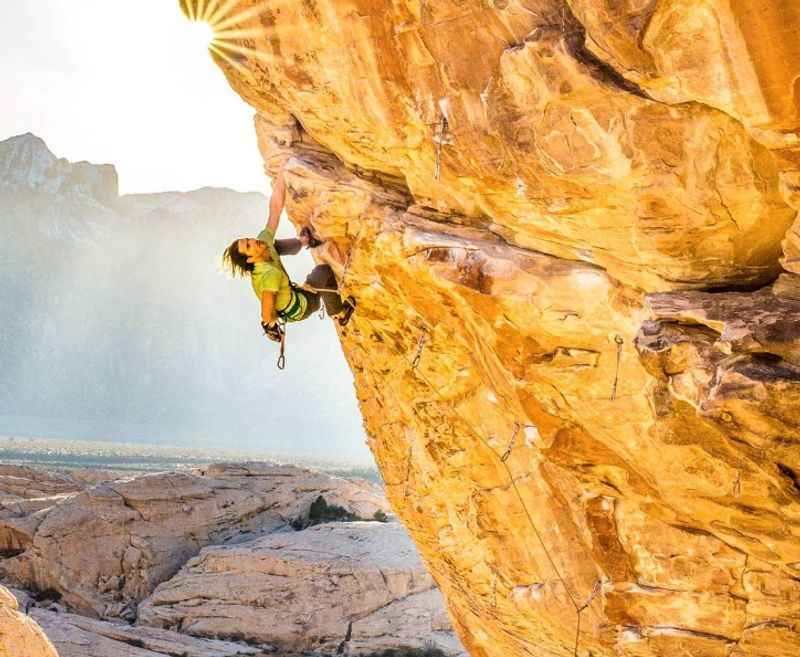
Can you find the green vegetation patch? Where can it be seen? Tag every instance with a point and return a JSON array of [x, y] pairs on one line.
[[321, 512]]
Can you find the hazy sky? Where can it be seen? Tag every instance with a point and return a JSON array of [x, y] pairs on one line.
[[123, 82], [126, 83]]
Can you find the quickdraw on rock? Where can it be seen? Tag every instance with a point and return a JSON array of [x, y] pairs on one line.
[[581, 609], [440, 138], [507, 453], [420, 347], [618, 339]]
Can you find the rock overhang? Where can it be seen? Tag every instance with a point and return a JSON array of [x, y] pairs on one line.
[[517, 195]]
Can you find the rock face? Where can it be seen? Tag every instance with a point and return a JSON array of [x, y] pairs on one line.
[[106, 548], [545, 211], [259, 586], [21, 482], [358, 585], [78, 636], [20, 636]]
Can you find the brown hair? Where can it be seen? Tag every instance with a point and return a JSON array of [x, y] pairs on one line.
[[236, 262]]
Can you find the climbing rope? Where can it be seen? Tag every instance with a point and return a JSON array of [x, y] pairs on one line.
[[420, 347], [414, 367], [583, 607], [512, 481], [408, 471]]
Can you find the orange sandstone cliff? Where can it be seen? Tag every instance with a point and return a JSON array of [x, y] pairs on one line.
[[571, 230], [20, 636]]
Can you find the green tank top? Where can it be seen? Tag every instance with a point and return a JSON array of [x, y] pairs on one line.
[[272, 277]]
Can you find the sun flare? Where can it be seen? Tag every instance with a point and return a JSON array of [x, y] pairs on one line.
[[217, 26], [201, 34]]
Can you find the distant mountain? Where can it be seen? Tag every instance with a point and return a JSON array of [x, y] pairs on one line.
[[117, 323], [26, 163]]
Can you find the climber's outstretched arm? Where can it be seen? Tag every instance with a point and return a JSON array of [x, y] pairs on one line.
[[276, 203]]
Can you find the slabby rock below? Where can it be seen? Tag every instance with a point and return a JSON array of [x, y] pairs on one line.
[[106, 548], [356, 585]]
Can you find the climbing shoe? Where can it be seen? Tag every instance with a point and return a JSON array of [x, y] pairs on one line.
[[349, 307]]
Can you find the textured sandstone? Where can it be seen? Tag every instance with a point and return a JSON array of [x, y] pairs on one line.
[[583, 451], [22, 482], [106, 548], [20, 636], [78, 636], [548, 144], [309, 590]]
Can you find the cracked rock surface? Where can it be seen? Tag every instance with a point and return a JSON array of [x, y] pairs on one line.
[[78, 636], [106, 548], [359, 586], [356, 585], [571, 231]]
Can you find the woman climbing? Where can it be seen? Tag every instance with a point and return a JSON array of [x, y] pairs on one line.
[[281, 299]]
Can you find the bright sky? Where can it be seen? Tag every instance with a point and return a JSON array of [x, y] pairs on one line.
[[125, 83]]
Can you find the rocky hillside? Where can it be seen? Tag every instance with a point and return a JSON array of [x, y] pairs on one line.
[[26, 163], [232, 559], [571, 229]]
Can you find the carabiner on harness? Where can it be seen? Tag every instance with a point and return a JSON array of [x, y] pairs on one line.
[[282, 355]]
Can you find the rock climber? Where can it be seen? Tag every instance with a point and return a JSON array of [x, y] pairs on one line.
[[281, 299]]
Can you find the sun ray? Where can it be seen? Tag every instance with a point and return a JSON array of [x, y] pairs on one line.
[[222, 11], [242, 70], [247, 52], [238, 34], [210, 9], [201, 10], [243, 16], [189, 4]]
